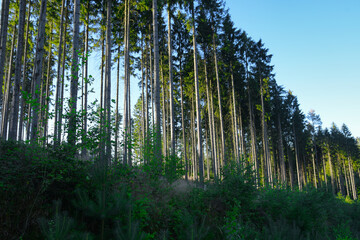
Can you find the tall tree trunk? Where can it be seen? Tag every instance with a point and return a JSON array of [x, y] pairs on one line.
[[74, 76], [126, 123], [117, 109], [281, 154], [353, 187], [3, 41], [147, 120], [23, 86], [340, 175], [59, 77], [346, 178], [157, 145], [62, 80], [234, 114], [197, 97], [314, 167], [108, 84], [324, 168], [7, 91], [291, 167], [222, 133], [143, 134], [267, 162], [38, 69], [297, 159], [212, 147], [14, 114], [86, 67], [183, 123], [172, 127], [241, 135], [253, 152], [331, 171], [47, 92], [164, 132], [215, 137], [194, 145]]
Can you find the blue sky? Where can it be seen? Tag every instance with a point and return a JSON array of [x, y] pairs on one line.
[[316, 51]]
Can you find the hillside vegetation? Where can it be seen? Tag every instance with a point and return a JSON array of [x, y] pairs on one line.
[[46, 194]]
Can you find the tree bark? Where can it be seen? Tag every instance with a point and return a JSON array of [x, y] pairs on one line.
[[108, 84], [183, 123], [281, 154], [222, 134], [5, 106], [23, 86], [197, 96], [117, 109], [212, 146], [74, 76], [234, 114], [3, 41], [172, 127], [59, 78], [14, 114], [86, 82], [331, 171], [157, 144]]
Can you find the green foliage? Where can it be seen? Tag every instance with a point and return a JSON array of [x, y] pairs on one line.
[[343, 232], [122, 202], [173, 168]]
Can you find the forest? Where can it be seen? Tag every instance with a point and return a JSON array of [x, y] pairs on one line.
[[213, 148]]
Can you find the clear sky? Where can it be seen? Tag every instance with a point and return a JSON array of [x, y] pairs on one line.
[[316, 51]]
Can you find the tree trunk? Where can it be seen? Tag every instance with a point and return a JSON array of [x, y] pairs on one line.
[[143, 134], [3, 41], [346, 178], [253, 153], [164, 135], [172, 127], [157, 144], [324, 167], [331, 171], [62, 80], [297, 159], [215, 137], [5, 106], [59, 78], [117, 109], [291, 168], [222, 134], [183, 123], [74, 76], [23, 86], [212, 146], [47, 93], [234, 115], [14, 114], [241, 135], [197, 96], [108, 84], [267, 162], [147, 132], [281, 154], [314, 167], [126, 85], [84, 153], [353, 187]]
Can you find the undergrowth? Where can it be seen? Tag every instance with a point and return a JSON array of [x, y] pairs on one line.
[[45, 194]]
